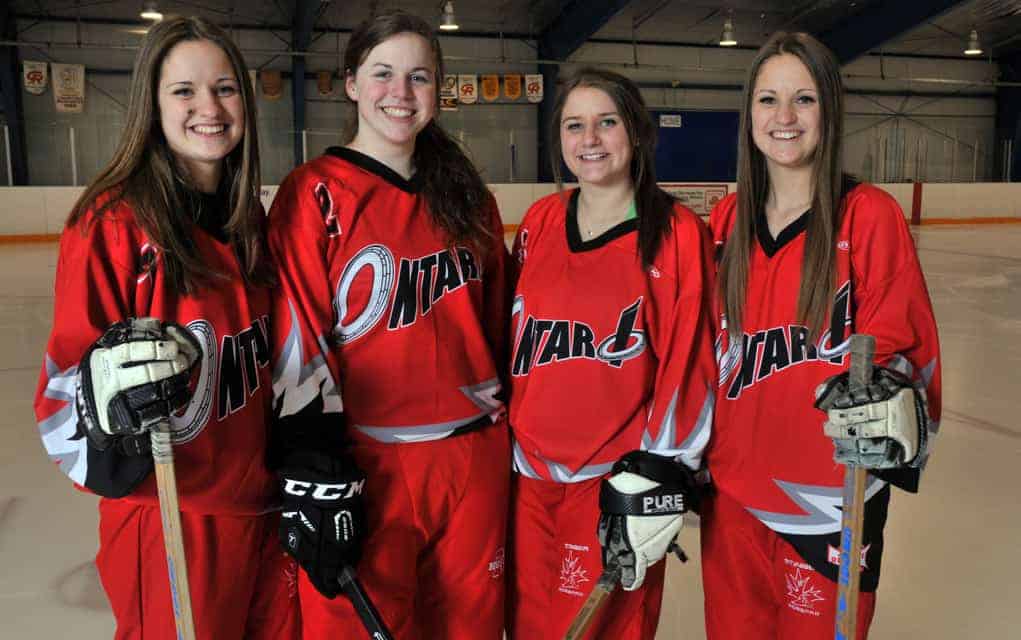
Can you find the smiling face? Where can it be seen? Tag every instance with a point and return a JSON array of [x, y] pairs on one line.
[[202, 113], [785, 113], [594, 139], [395, 90]]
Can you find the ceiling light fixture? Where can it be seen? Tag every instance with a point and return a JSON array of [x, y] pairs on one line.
[[974, 48], [727, 39], [448, 22], [151, 12]]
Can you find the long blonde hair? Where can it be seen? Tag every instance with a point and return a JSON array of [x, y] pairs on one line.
[[144, 174]]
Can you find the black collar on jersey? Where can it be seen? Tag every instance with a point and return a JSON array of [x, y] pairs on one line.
[[770, 245], [376, 167], [574, 241], [791, 231], [211, 211]]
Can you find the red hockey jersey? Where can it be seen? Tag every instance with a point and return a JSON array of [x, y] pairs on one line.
[[608, 356], [376, 303], [108, 271], [768, 449]]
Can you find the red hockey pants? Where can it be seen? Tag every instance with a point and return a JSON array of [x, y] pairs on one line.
[[555, 561], [433, 562], [758, 587], [243, 586]]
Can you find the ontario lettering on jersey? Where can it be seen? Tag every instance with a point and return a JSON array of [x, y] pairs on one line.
[[768, 351], [228, 374], [409, 291], [241, 357], [544, 341]]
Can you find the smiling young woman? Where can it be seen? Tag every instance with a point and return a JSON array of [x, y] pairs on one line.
[[808, 256], [611, 373], [394, 298], [162, 271]]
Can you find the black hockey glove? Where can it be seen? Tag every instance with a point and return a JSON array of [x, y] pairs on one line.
[[884, 426], [642, 503], [133, 377], [322, 524]]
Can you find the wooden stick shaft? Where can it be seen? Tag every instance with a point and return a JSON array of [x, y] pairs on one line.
[[173, 541], [863, 349], [595, 601]]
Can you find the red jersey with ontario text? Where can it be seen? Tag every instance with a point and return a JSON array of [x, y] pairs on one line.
[[377, 303], [108, 271], [768, 449], [608, 356]]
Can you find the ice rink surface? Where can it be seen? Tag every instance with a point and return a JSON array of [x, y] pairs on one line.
[[952, 564]]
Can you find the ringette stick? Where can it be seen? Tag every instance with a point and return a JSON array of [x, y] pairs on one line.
[[173, 542], [596, 599], [370, 617], [863, 349]]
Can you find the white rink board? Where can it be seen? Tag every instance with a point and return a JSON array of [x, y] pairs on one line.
[[42, 210]]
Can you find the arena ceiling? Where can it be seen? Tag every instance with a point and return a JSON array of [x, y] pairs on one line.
[[852, 28]]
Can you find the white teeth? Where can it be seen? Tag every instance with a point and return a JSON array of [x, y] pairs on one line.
[[397, 112], [785, 135], [209, 129], [593, 156]]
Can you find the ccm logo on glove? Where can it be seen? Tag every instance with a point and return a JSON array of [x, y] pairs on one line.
[[664, 504], [323, 491]]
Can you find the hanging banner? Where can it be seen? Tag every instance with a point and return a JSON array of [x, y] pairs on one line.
[[35, 76], [272, 83], [468, 88], [253, 79], [490, 87], [448, 93], [512, 86], [69, 87], [533, 87], [324, 82]]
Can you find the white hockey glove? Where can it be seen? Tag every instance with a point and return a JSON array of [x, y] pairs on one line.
[[134, 376], [642, 504], [884, 426]]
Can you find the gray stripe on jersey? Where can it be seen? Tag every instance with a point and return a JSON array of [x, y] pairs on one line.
[[821, 504], [58, 430], [417, 432], [690, 451], [521, 464]]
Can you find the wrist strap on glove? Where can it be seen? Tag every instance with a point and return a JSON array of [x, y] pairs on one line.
[[676, 488]]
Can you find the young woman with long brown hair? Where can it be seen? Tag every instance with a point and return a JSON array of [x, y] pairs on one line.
[[807, 256], [163, 272], [393, 267], [611, 374]]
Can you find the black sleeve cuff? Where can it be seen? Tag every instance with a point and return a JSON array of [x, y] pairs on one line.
[[114, 474]]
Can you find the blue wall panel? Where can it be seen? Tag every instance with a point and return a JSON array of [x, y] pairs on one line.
[[702, 149]]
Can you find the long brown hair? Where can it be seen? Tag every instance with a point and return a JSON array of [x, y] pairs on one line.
[[451, 185], [144, 173], [654, 206], [818, 270]]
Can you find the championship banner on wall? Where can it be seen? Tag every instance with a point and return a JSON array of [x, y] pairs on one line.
[[448, 93], [272, 83], [69, 87], [512, 86], [324, 82], [700, 198], [533, 87], [35, 76], [467, 88], [490, 87]]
